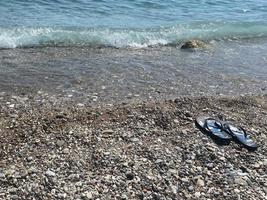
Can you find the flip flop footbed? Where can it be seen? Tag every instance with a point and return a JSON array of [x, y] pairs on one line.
[[213, 127], [241, 136]]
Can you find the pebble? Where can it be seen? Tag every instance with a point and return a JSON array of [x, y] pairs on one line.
[[14, 197], [210, 166], [124, 196], [74, 177], [197, 194], [60, 143], [236, 190], [190, 188], [11, 106], [88, 195], [185, 180], [2, 176], [240, 181], [13, 190], [10, 172], [32, 170], [129, 175], [50, 173], [30, 158], [135, 140], [200, 183], [158, 161], [62, 195], [257, 165], [174, 189], [107, 131], [66, 151], [264, 162]]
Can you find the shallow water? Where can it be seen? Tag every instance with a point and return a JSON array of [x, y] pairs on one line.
[[119, 74], [127, 49]]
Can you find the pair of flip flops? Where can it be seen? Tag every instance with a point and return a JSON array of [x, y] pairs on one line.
[[225, 132]]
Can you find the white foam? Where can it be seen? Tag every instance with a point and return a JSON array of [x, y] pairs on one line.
[[13, 37]]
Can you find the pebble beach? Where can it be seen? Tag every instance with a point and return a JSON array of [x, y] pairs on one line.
[[137, 150]]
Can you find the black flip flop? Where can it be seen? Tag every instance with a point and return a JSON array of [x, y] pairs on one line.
[[241, 136], [214, 128]]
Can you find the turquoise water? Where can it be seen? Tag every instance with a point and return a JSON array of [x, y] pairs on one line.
[[135, 23]]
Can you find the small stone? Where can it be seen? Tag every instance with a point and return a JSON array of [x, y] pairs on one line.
[[66, 151], [257, 165], [12, 190], [185, 180], [30, 158], [107, 153], [200, 183], [32, 170], [60, 143], [199, 168], [135, 140], [190, 188], [129, 175], [240, 181], [50, 173], [209, 166], [222, 158], [174, 189], [10, 172], [53, 191], [107, 131], [197, 194], [124, 196], [88, 195], [14, 197], [2, 175], [237, 190], [62, 195], [11, 106], [74, 177], [173, 171], [79, 184], [158, 161]]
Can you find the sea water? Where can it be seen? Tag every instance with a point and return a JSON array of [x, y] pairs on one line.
[[128, 23], [131, 48]]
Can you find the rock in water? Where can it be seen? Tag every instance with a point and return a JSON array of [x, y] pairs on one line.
[[191, 44]]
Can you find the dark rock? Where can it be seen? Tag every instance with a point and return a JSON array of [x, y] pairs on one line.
[[191, 44], [129, 175]]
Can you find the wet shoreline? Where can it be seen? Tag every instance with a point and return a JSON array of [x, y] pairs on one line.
[[107, 74]]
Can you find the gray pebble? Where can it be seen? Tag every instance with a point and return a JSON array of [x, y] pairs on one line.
[[240, 181], [200, 183], [50, 173]]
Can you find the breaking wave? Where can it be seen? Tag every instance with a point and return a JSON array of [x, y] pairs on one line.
[[21, 37]]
